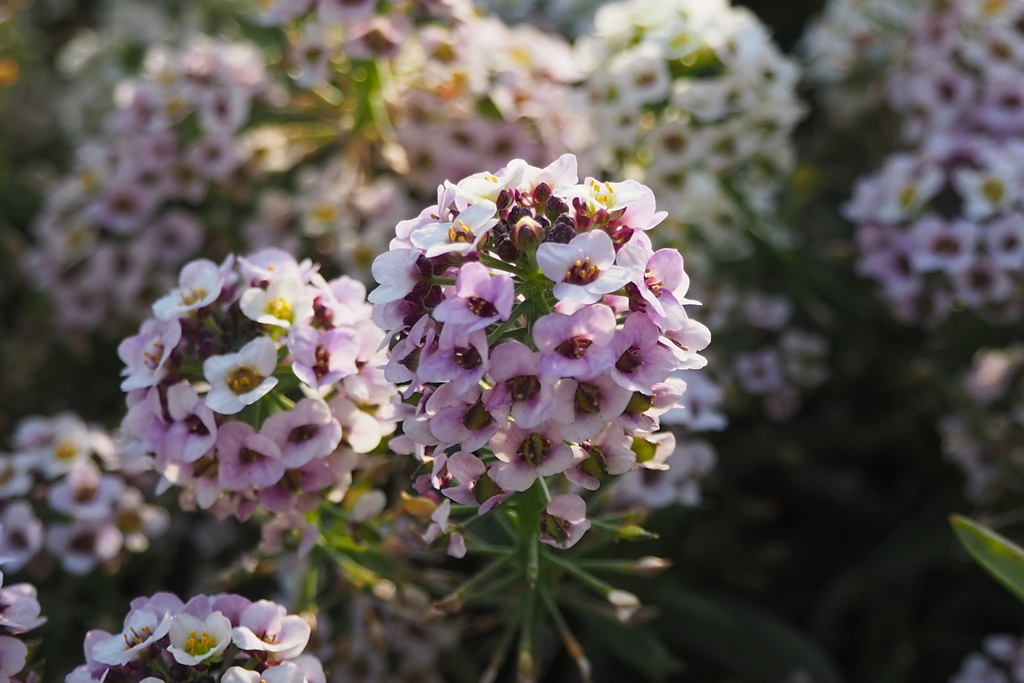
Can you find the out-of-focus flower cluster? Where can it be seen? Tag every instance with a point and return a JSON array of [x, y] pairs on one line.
[[850, 49], [19, 613], [390, 640], [941, 225], [224, 638], [694, 99], [257, 383], [1000, 661], [67, 487], [117, 229], [538, 332], [984, 435], [773, 358], [477, 93]]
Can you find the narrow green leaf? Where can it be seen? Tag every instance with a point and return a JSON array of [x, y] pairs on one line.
[[1000, 557]]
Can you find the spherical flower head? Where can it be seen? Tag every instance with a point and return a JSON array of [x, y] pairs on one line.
[[460, 236], [242, 378], [286, 303], [564, 521], [583, 269], [199, 285], [194, 640]]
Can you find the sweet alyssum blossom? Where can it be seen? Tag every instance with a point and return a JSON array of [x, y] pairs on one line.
[[161, 634], [538, 332], [272, 389]]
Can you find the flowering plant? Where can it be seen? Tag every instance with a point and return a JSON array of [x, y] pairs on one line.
[[256, 383], [536, 332], [225, 638]]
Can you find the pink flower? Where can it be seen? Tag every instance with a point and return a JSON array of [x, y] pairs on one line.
[[564, 521], [583, 268]]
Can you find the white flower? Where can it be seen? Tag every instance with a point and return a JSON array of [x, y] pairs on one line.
[[194, 640], [241, 379], [199, 285], [604, 195], [461, 236], [141, 629], [582, 268], [286, 302]]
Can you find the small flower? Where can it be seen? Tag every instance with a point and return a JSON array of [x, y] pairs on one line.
[[584, 268], [564, 521], [526, 454], [460, 236], [286, 303], [196, 640], [146, 354], [576, 345], [142, 628], [241, 379], [199, 285], [481, 299], [265, 626]]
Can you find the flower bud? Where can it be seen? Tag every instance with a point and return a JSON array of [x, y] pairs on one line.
[[527, 233]]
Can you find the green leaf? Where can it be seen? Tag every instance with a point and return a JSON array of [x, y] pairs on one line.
[[1000, 557]]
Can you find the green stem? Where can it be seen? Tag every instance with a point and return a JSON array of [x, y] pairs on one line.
[[496, 334], [583, 576], [572, 646], [525, 661]]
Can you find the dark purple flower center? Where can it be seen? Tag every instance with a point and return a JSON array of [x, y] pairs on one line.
[[87, 493], [582, 273], [524, 387], [248, 456], [302, 434], [195, 426], [481, 307], [574, 347], [467, 358], [629, 361]]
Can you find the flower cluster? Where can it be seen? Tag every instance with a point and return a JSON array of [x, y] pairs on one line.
[[943, 227], [694, 96], [850, 49], [477, 93], [1001, 661], [962, 70], [538, 332], [224, 638], [19, 613], [780, 360], [257, 383], [983, 434], [121, 223], [80, 481]]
